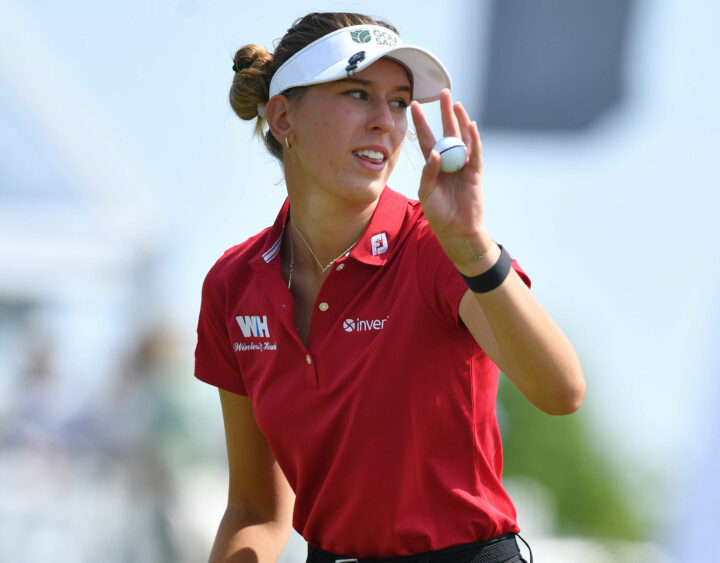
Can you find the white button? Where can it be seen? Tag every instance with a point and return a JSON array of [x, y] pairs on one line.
[[308, 358], [323, 306], [340, 267]]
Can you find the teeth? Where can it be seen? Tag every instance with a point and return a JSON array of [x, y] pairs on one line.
[[372, 155]]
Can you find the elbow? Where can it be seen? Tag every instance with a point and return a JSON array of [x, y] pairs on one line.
[[568, 397], [567, 406], [557, 390]]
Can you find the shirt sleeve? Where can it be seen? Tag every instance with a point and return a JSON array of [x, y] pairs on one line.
[[215, 361], [439, 280]]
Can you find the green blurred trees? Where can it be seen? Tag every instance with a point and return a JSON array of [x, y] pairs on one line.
[[561, 454]]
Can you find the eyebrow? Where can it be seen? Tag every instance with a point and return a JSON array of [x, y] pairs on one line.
[[365, 82]]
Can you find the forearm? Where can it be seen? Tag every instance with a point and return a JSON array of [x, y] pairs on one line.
[[507, 322], [531, 349], [244, 539]]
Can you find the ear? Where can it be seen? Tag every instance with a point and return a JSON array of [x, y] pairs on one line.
[[277, 115]]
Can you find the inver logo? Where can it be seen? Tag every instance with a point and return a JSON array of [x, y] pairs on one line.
[[253, 325], [361, 36], [364, 325], [379, 244]]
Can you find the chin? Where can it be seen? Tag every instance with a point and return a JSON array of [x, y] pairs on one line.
[[370, 190], [362, 189]]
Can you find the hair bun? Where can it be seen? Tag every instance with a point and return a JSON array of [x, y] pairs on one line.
[[251, 83], [252, 57]]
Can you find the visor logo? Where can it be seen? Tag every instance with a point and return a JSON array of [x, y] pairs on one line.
[[386, 38], [361, 36]]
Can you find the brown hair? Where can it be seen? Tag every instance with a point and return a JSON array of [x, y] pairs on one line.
[[254, 66]]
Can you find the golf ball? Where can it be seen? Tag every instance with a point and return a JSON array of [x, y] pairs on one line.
[[453, 154]]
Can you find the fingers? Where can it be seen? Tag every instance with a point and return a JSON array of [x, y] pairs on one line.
[[470, 136], [449, 120], [456, 123], [475, 148], [429, 178], [424, 133], [463, 121]]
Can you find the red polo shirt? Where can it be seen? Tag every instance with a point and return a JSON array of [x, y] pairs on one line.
[[385, 423]]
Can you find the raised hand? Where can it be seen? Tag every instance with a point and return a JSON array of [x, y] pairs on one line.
[[453, 203]]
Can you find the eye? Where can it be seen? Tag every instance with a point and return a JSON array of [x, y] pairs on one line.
[[358, 94], [400, 103]]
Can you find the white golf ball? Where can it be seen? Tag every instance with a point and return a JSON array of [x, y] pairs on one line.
[[453, 154]]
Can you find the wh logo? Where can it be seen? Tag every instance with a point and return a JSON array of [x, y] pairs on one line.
[[379, 244], [253, 325]]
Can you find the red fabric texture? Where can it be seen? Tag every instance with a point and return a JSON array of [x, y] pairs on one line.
[[385, 424]]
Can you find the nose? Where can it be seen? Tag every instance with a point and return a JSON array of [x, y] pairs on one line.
[[380, 117]]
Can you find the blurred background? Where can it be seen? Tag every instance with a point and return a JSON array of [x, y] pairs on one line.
[[124, 175]]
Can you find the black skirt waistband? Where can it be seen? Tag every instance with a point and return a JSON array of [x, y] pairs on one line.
[[495, 550]]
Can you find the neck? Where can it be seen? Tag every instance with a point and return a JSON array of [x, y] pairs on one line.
[[328, 229]]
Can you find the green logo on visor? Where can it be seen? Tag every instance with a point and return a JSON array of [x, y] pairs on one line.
[[360, 36]]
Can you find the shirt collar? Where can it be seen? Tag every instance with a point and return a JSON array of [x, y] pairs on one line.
[[273, 240], [377, 243]]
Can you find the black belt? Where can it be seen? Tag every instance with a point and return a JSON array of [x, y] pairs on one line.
[[496, 550]]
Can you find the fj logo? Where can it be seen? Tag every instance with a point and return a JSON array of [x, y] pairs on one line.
[[253, 326], [379, 244]]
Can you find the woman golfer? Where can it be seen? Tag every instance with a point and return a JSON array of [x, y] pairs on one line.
[[356, 342]]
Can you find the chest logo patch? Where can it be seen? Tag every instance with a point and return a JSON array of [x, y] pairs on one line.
[[364, 325], [253, 325], [379, 244]]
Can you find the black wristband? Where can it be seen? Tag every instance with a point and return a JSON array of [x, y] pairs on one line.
[[487, 281]]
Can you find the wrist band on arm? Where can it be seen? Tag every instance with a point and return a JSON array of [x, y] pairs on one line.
[[491, 279]]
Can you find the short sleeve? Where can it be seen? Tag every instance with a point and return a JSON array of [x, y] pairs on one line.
[[520, 272], [215, 362], [439, 280]]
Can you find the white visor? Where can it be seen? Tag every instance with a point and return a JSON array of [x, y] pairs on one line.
[[347, 51]]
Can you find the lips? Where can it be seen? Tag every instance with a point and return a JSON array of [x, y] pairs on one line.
[[371, 155]]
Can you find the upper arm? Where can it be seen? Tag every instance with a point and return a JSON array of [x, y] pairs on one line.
[[258, 486], [477, 323]]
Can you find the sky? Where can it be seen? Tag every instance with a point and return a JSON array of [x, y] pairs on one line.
[[616, 225]]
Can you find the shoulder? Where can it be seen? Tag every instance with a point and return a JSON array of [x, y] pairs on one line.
[[406, 211], [235, 260], [410, 227], [397, 200], [423, 235]]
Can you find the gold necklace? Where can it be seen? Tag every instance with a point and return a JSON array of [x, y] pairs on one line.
[[292, 262], [323, 268]]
